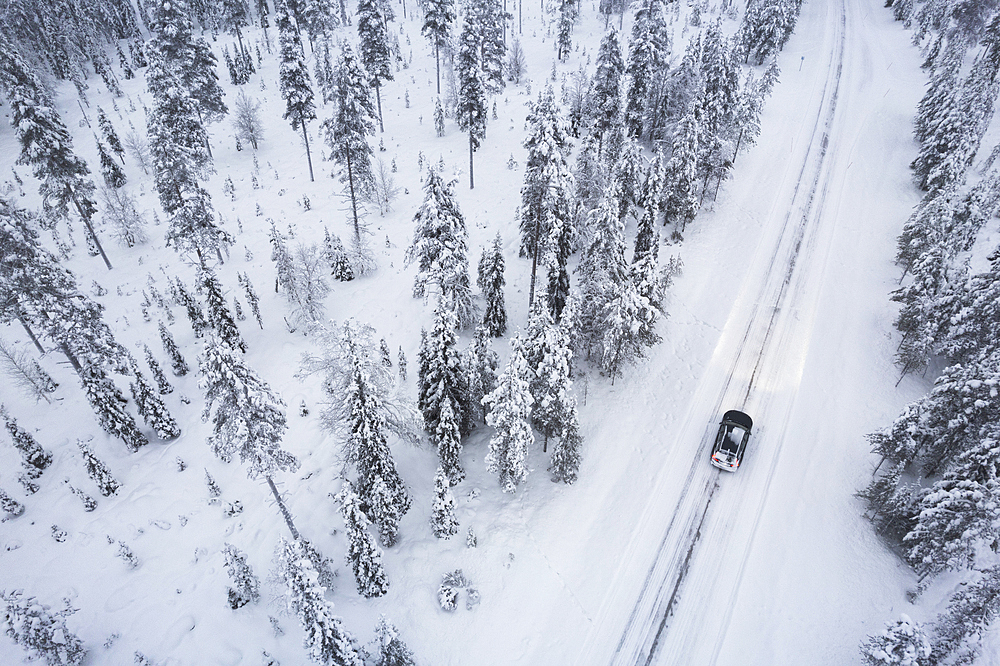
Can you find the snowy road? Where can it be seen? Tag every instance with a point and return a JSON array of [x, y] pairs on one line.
[[703, 522]]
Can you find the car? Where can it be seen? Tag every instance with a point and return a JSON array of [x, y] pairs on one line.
[[731, 440]]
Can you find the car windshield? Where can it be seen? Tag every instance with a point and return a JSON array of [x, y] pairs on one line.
[[731, 442]]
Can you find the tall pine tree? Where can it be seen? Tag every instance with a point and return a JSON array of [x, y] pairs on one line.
[[296, 89]]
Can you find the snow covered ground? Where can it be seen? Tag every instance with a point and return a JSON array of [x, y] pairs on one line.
[[782, 310]]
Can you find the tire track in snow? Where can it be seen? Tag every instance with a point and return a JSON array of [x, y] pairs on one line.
[[662, 588]]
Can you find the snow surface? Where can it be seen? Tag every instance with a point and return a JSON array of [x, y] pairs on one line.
[[776, 563]]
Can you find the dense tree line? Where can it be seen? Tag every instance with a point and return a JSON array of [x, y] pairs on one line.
[[935, 491]]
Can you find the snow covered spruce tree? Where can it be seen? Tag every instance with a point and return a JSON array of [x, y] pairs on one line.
[[152, 408], [98, 471], [649, 53], [219, 317], [439, 16], [177, 362], [766, 27], [248, 420], [491, 281], [750, 104], [392, 651], [903, 642], [509, 414], [245, 586], [296, 89], [629, 319], [549, 353], [440, 249], [326, 639], [548, 182], [113, 175], [163, 387], [471, 112], [480, 366], [444, 524], [487, 19], [336, 257], [43, 296], [363, 553], [347, 137], [606, 99], [958, 633], [108, 404], [10, 506], [47, 146], [41, 632], [956, 517], [602, 272], [109, 134], [189, 58], [362, 407], [32, 453], [186, 94], [374, 48], [568, 12], [681, 201], [720, 83], [443, 391]]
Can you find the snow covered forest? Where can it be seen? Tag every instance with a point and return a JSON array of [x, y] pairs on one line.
[[420, 309]]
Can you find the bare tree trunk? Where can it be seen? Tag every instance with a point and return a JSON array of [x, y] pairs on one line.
[[437, 62], [378, 101], [93, 234], [305, 137], [739, 140], [72, 359], [354, 200], [472, 182], [534, 264], [282, 508], [31, 334]]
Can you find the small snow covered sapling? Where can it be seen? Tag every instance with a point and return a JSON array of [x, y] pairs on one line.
[[902, 642], [152, 408], [32, 454], [26, 479], [180, 366], [364, 555], [303, 408], [213, 487], [98, 471], [162, 385], [89, 503], [443, 521], [386, 354], [127, 555], [472, 597], [10, 506], [392, 651], [246, 587], [41, 632], [470, 539], [451, 583], [401, 359], [252, 299]]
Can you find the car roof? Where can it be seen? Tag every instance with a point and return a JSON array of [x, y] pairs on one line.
[[737, 417]]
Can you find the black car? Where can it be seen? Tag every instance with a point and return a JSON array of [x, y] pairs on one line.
[[731, 441]]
